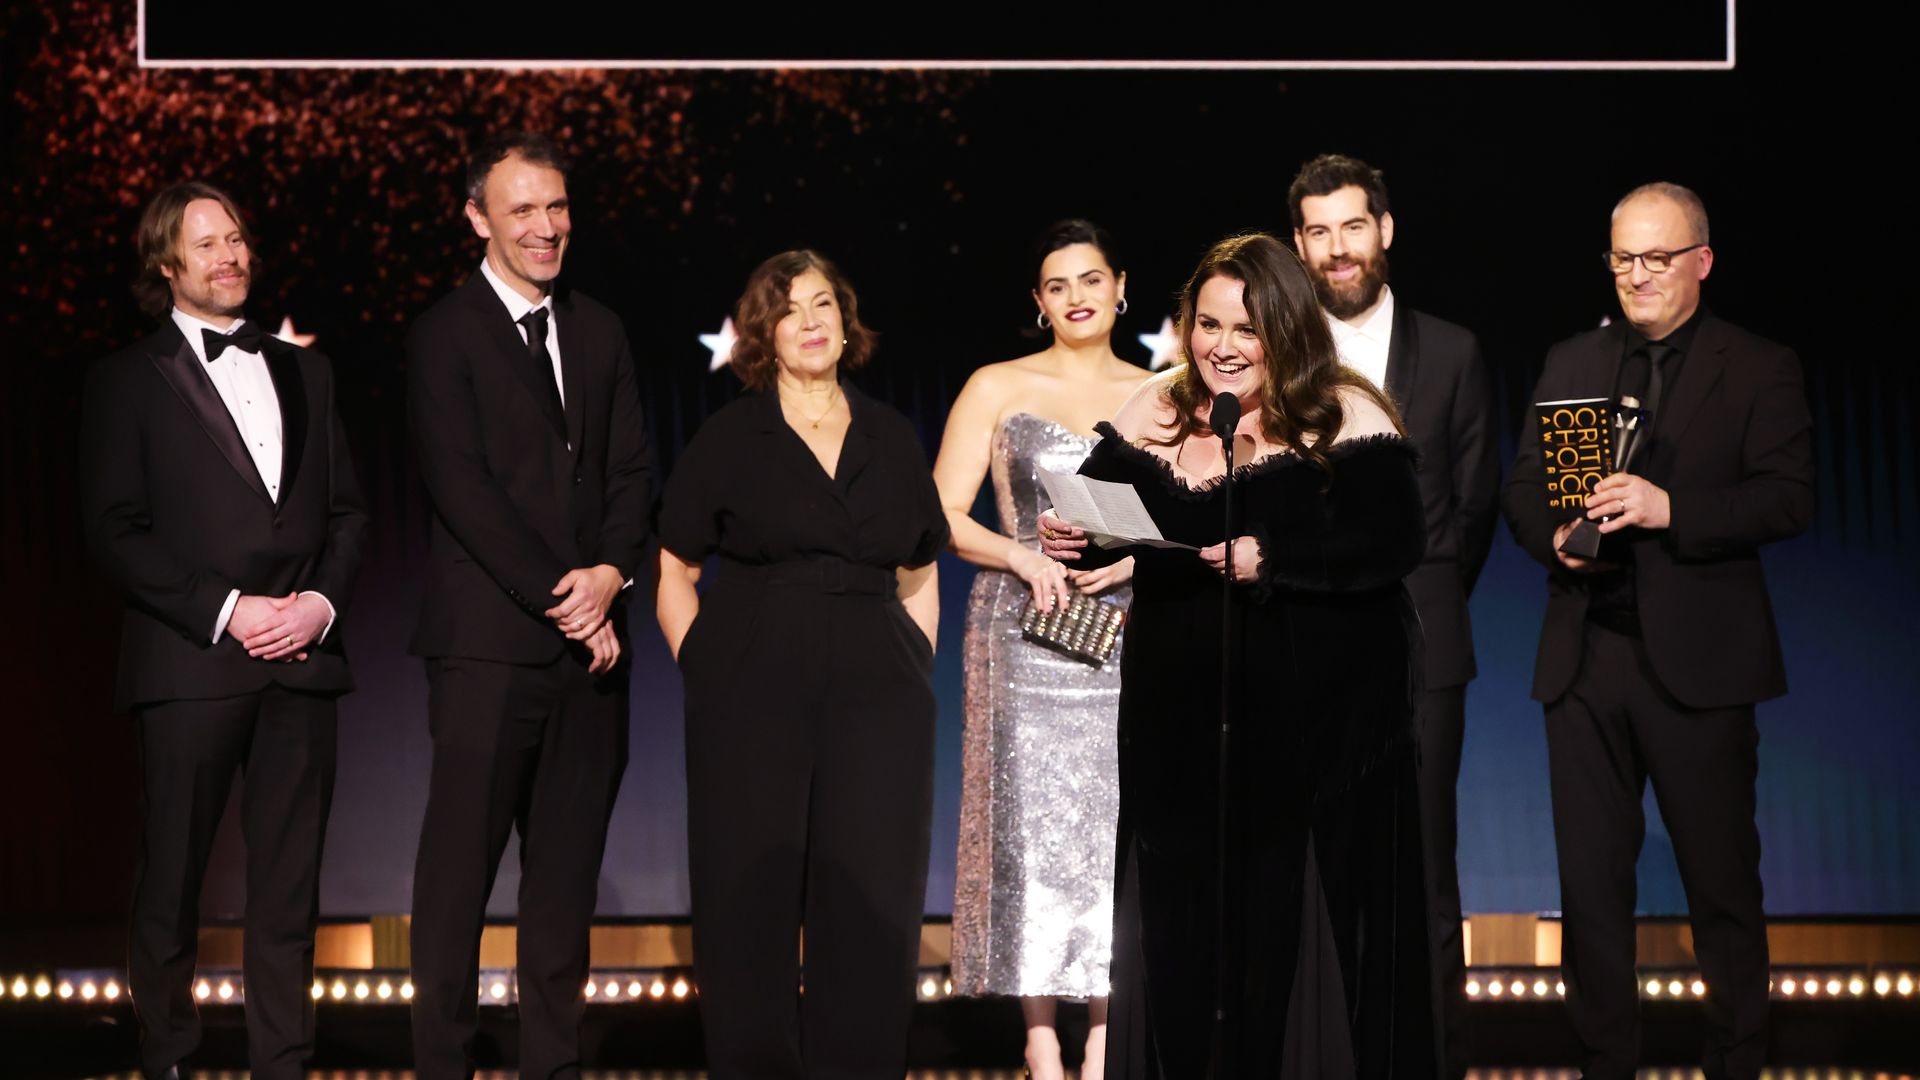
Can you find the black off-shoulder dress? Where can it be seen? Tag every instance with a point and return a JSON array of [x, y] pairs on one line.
[[1325, 917]]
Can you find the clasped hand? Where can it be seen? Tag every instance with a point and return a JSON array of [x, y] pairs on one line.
[[588, 594], [278, 627]]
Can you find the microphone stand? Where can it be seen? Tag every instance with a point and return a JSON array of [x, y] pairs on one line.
[[1222, 984]]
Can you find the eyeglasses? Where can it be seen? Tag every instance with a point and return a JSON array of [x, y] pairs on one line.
[[1656, 262]]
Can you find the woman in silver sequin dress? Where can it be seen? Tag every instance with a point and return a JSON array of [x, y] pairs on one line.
[[1033, 903]]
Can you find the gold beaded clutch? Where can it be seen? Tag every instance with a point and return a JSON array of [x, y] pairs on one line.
[[1086, 629]]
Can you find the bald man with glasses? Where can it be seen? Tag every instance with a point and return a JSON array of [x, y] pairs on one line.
[[1654, 652]]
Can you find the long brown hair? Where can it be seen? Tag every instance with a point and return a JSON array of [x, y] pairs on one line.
[[158, 240], [1301, 378], [764, 303]]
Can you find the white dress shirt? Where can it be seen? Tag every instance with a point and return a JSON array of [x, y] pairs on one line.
[[517, 308], [246, 387], [1364, 348]]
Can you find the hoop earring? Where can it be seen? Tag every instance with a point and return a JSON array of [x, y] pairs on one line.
[[1122, 309], [1040, 319]]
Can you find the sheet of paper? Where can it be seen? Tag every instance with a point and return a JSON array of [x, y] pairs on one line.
[[1110, 512]]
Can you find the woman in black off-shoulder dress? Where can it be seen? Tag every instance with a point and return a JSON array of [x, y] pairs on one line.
[[1325, 928]]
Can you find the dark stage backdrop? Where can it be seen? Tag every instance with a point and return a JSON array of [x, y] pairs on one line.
[[928, 187]]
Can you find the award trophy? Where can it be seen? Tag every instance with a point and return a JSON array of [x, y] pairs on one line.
[[1628, 431]]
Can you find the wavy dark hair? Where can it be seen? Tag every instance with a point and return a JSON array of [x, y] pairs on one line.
[[158, 241], [1302, 376], [764, 304]]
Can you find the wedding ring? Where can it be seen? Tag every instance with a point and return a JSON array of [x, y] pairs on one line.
[[1623, 506], [289, 639]]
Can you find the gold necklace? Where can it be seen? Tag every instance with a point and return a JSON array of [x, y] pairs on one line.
[[833, 398]]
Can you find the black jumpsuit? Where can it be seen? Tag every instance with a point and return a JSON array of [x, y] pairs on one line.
[[810, 720]]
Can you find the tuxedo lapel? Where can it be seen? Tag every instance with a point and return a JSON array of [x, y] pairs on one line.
[[1403, 355], [573, 367], [500, 331], [284, 366], [1699, 370], [186, 374]]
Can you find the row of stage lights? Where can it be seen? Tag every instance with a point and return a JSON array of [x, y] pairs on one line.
[[499, 988], [1533, 985]]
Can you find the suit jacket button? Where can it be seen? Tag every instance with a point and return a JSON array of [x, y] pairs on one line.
[[577, 478]]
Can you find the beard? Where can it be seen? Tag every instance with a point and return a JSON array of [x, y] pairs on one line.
[[202, 295], [1345, 299]]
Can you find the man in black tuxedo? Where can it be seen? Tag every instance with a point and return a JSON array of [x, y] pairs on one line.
[[1342, 227], [1653, 655], [527, 427], [217, 490]]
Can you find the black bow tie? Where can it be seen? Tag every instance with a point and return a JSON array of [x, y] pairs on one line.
[[249, 338]]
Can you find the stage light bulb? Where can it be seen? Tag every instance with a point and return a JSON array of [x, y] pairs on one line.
[[384, 991], [928, 987], [680, 988], [1496, 987], [1674, 988], [338, 990], [41, 987], [111, 990], [635, 989], [498, 991], [20, 987], [1560, 989], [947, 988], [1653, 987], [1882, 984], [406, 991], [203, 989], [1539, 988], [1833, 987], [1905, 985], [88, 991], [658, 989], [1699, 988], [592, 989], [612, 988], [66, 990], [319, 989], [1856, 986], [1473, 987], [226, 991], [1788, 986], [360, 991]]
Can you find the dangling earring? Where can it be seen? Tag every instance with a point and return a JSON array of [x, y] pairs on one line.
[[1122, 308], [1042, 321]]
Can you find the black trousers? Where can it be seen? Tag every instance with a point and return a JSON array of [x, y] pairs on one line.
[[540, 749], [284, 742], [1615, 728], [810, 798], [1439, 724]]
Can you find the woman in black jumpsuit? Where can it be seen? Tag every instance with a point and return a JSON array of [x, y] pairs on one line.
[[809, 711]]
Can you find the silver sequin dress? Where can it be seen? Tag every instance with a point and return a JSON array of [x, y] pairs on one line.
[[1033, 895]]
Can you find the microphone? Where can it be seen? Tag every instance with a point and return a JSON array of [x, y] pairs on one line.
[[1224, 418]]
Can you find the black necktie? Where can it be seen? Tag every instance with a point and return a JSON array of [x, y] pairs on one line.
[[536, 323], [248, 338], [1660, 356]]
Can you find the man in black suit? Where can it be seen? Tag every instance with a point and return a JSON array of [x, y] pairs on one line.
[[1342, 227], [527, 427], [1653, 655], [217, 491]]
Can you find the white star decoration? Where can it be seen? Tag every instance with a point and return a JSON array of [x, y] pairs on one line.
[[721, 344], [1165, 346], [291, 336]]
